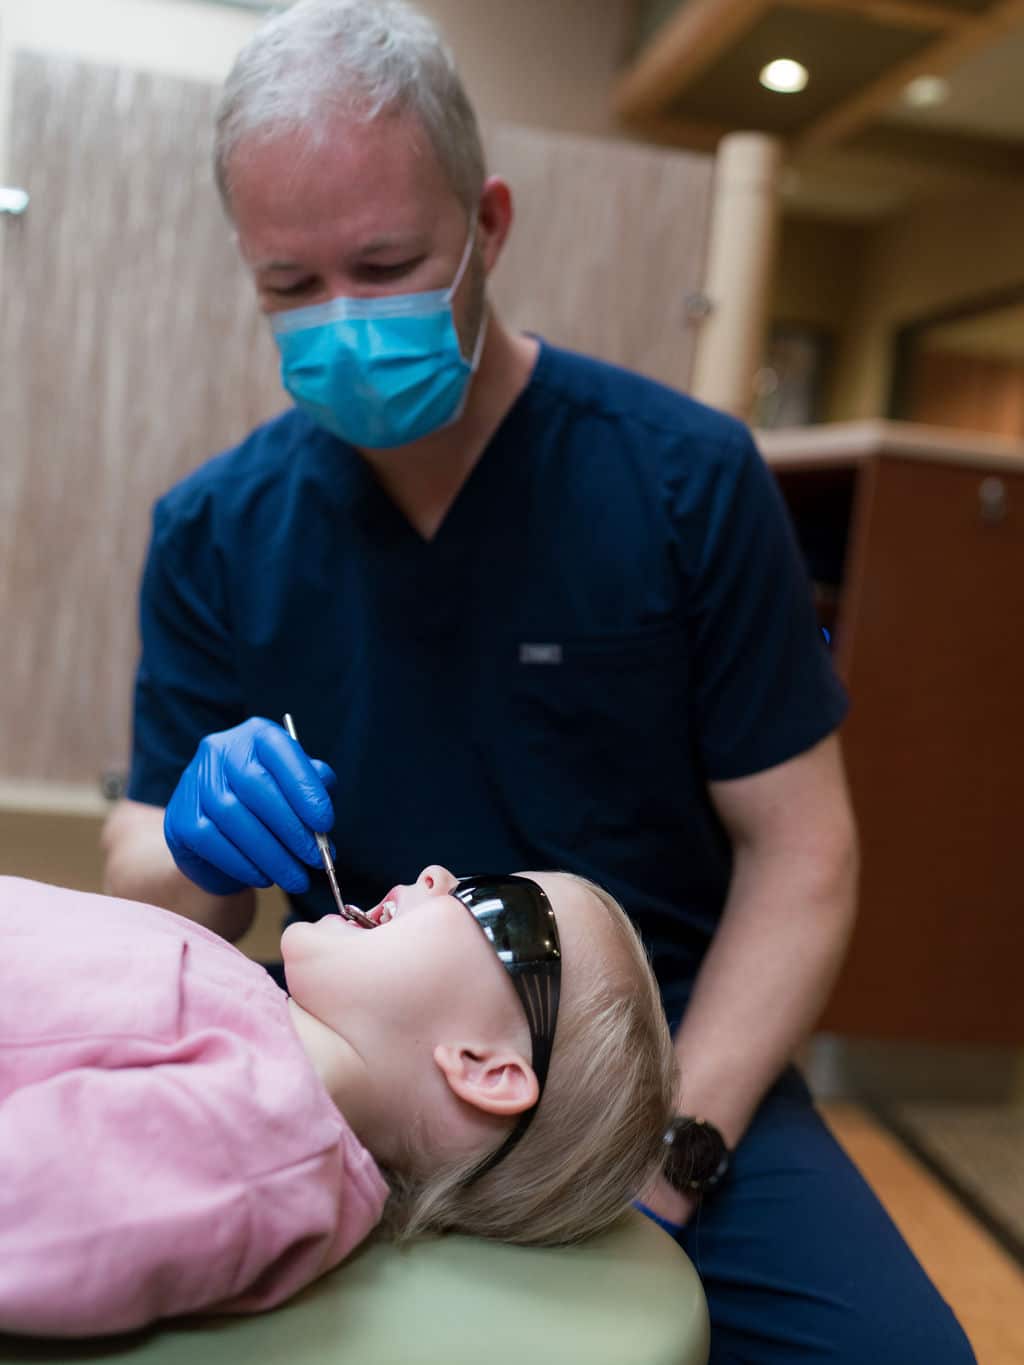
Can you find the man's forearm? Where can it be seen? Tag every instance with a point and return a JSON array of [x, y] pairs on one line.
[[139, 866], [766, 976]]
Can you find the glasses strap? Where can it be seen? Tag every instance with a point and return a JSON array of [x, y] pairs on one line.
[[538, 985]]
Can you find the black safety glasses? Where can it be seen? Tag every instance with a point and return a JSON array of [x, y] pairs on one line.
[[517, 918]]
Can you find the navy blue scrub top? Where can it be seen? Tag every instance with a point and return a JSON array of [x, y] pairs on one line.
[[613, 614]]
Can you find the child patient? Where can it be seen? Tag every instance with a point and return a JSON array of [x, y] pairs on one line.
[[178, 1135]]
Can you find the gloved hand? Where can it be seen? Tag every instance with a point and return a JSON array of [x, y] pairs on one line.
[[243, 811]]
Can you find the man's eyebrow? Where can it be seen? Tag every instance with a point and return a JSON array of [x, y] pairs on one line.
[[277, 265], [412, 245], [374, 247]]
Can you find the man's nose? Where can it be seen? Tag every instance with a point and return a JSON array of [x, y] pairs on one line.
[[436, 880]]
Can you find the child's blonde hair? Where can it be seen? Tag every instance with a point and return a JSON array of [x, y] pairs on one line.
[[597, 1137]]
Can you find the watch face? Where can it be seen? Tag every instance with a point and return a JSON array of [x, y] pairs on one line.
[[698, 1158]]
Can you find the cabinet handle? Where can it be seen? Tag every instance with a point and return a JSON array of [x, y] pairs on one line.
[[697, 306], [113, 784], [13, 201], [992, 501]]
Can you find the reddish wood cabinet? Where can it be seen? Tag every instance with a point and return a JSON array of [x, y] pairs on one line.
[[915, 537]]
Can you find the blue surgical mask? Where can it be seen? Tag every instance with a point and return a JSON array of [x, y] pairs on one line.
[[379, 372]]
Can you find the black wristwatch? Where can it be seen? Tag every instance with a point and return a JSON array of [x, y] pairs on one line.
[[696, 1159]]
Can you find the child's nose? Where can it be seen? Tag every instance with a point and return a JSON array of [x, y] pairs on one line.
[[436, 880]]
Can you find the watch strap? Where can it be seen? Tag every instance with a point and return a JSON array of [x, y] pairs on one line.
[[697, 1157]]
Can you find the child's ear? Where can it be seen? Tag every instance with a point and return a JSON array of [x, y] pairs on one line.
[[498, 1081]]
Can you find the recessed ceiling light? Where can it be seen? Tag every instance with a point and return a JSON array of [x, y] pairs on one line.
[[925, 91], [784, 76]]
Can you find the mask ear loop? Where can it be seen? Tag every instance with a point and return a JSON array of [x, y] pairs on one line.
[[467, 251], [481, 332]]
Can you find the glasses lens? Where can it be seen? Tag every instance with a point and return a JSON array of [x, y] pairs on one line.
[[516, 916]]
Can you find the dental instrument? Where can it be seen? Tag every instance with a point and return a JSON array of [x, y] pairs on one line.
[[351, 912]]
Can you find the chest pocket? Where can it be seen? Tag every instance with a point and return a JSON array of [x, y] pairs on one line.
[[586, 733]]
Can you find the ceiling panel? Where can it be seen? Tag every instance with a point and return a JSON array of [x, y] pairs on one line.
[[843, 52], [986, 95], [856, 147], [907, 143]]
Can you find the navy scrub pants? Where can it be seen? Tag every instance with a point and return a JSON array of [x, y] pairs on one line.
[[800, 1262]]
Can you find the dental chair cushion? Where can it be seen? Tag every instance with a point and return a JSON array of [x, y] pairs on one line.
[[628, 1297]]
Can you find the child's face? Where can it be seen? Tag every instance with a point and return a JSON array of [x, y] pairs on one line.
[[417, 1030], [425, 963]]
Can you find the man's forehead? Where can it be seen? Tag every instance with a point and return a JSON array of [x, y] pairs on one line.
[[386, 195], [390, 155]]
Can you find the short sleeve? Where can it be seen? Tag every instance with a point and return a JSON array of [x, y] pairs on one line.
[[764, 686], [186, 685]]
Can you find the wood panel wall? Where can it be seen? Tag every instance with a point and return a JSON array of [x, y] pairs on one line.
[[130, 351], [609, 239]]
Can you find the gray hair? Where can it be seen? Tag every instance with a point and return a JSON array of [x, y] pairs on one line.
[[361, 59], [597, 1139]]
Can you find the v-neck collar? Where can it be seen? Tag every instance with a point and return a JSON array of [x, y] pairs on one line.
[[382, 510]]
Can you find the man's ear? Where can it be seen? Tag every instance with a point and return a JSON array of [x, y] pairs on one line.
[[495, 1080], [494, 220]]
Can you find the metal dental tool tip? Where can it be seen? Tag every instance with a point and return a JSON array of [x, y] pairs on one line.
[[351, 912]]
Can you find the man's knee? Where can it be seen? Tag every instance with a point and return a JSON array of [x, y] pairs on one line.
[[930, 1335]]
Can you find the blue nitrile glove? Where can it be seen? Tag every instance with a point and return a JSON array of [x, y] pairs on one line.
[[673, 1229], [243, 812]]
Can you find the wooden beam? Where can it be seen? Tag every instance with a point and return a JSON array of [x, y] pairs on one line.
[[668, 131], [684, 45], [899, 13], [948, 52]]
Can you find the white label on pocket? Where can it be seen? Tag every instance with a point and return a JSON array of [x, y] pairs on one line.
[[540, 654]]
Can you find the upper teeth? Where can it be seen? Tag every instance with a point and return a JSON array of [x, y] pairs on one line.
[[387, 910]]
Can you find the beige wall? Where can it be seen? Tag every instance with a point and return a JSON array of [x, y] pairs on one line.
[[528, 62], [819, 279], [546, 63], [818, 271], [930, 258], [180, 39], [864, 283], [549, 63], [995, 334], [542, 62]]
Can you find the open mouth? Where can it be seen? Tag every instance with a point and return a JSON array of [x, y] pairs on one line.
[[385, 912]]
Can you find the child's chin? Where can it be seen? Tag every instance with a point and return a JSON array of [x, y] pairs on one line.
[[304, 936]]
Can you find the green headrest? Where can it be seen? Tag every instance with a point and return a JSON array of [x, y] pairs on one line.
[[629, 1297]]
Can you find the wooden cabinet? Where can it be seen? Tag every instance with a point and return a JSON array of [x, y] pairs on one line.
[[915, 539]]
